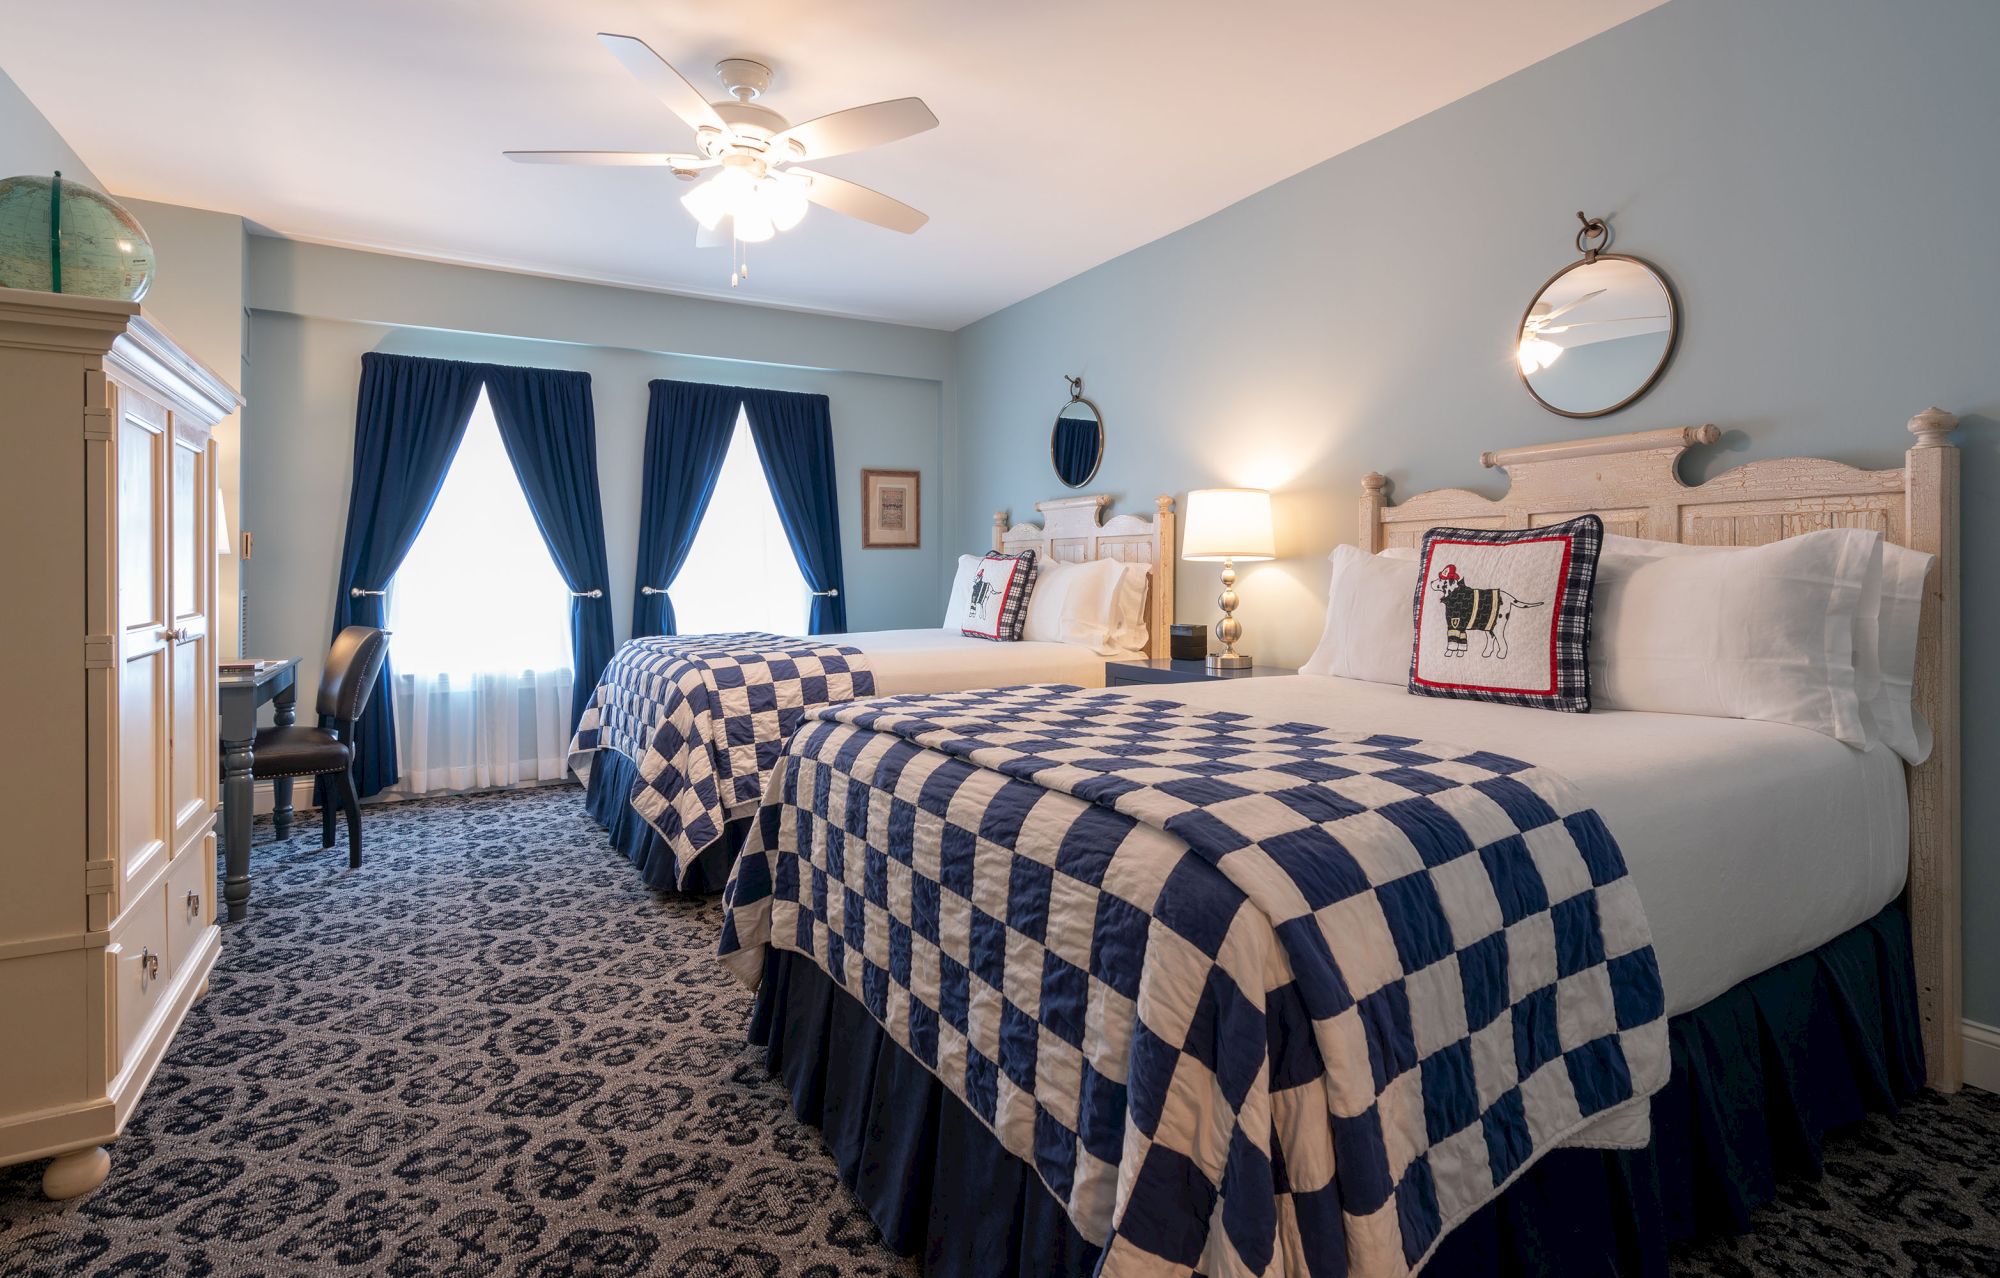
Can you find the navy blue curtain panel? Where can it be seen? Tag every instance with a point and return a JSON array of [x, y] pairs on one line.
[[408, 422], [550, 430], [688, 425], [794, 434]]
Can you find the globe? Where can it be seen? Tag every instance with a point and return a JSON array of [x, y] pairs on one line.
[[105, 252]]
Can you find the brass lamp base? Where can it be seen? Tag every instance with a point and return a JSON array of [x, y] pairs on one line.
[[1228, 661]]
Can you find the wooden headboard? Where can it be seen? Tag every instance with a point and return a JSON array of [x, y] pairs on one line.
[[1631, 482], [1074, 530]]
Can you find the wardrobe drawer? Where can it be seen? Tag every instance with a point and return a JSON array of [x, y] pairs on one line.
[[190, 899], [141, 972]]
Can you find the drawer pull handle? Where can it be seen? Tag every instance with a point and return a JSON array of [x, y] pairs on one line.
[[194, 903], [149, 963]]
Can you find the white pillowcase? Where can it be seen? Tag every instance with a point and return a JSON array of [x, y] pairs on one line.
[[1885, 636], [1903, 729], [1128, 603], [1764, 632], [1370, 617], [1073, 603], [958, 604]]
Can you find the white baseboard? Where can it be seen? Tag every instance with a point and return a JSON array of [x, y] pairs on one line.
[[1982, 1056]]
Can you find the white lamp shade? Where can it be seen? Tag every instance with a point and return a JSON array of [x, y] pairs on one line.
[[1228, 523], [222, 542]]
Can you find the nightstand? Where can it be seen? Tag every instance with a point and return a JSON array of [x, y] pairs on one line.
[[1126, 674]]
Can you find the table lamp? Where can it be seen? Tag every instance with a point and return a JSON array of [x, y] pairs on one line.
[[1228, 524]]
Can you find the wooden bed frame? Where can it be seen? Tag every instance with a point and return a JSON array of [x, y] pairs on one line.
[[1074, 530], [1631, 482]]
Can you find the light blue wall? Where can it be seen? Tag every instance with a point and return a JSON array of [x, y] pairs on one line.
[[1819, 178]]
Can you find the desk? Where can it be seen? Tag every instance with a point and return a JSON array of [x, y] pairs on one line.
[[242, 693]]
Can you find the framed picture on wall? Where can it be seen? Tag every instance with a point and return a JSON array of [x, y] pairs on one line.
[[891, 515]]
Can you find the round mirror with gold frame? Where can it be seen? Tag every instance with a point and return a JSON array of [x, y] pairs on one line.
[[1076, 443], [1599, 333]]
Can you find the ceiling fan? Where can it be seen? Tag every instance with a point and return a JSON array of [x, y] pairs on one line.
[[759, 183], [1537, 352]]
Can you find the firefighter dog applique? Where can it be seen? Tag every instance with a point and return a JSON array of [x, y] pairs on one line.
[[1504, 614]]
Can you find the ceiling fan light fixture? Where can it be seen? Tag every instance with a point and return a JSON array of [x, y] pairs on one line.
[[753, 225], [710, 202], [1538, 353], [783, 202]]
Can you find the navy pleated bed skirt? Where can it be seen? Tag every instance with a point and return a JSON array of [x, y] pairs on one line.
[[608, 796], [1761, 1074]]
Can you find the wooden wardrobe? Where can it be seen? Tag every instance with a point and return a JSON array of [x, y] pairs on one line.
[[107, 690]]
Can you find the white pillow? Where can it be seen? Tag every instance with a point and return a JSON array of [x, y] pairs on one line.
[[1764, 632], [1128, 602], [1885, 637], [1370, 617], [1075, 603], [959, 602], [1902, 728]]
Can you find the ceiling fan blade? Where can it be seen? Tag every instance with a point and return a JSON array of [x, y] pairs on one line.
[[1571, 306], [667, 84], [858, 128], [857, 201], [642, 159]]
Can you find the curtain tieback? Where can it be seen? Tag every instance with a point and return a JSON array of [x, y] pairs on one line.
[[651, 590], [592, 593], [826, 594], [356, 592]]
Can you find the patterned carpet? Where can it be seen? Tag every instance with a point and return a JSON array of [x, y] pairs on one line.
[[491, 1052]]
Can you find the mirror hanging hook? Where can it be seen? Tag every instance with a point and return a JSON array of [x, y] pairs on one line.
[[1075, 387], [1594, 228]]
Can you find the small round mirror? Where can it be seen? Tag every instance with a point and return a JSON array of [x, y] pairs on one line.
[[1076, 445], [1599, 334]]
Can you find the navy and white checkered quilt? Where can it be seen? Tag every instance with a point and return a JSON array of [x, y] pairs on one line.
[[704, 718], [1251, 997]]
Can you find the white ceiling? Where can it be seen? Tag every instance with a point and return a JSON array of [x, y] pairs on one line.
[[1072, 130]]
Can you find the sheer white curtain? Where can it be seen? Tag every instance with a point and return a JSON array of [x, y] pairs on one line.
[[480, 643], [741, 573]]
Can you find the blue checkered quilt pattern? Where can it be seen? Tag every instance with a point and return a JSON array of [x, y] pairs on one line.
[[704, 718], [1251, 997]]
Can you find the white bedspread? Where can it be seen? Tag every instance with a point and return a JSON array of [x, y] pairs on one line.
[[1750, 843], [935, 660]]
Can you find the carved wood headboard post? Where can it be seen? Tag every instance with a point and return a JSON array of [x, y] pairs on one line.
[[1631, 482], [1930, 495]]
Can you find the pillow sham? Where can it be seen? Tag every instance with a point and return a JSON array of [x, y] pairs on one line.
[[1129, 632], [1885, 637], [961, 591], [1762, 632], [1369, 630], [1504, 614], [1072, 603], [996, 600]]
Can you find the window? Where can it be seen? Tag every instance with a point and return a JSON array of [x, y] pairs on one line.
[[741, 573], [478, 592]]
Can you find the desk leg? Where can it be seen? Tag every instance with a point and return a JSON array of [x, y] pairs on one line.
[[236, 827], [284, 712]]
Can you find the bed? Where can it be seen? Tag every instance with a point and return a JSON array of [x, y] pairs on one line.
[[678, 806], [1802, 900]]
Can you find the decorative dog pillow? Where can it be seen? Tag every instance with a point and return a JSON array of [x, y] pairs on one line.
[[1504, 615], [996, 599]]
